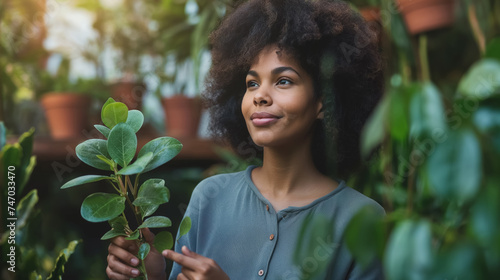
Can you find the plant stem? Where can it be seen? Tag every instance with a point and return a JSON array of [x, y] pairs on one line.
[[136, 215], [424, 60], [117, 189], [136, 184], [405, 69], [124, 189], [476, 29], [129, 183], [411, 190], [143, 270]]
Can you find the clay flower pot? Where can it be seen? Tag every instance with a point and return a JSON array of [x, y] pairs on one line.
[[373, 18], [426, 15], [182, 116], [67, 114], [129, 93]]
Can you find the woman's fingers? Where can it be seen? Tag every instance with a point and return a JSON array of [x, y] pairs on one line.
[[181, 276], [148, 235], [119, 269], [115, 276], [122, 255], [121, 260], [184, 261], [129, 245]]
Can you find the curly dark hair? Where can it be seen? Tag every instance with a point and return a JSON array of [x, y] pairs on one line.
[[330, 41]]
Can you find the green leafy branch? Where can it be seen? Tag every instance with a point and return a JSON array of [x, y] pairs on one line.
[[116, 154]]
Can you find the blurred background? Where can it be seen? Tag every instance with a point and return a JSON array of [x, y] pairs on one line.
[[434, 138]]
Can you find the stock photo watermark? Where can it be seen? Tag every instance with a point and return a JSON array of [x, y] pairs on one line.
[[11, 218]]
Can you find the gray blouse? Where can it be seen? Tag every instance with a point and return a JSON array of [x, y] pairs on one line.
[[235, 225]]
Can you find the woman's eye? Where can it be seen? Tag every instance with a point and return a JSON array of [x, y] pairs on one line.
[[284, 82], [251, 84]]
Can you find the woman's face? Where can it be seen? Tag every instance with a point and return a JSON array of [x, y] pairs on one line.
[[279, 106]]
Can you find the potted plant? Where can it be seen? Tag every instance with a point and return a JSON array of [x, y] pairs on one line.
[[369, 9], [426, 15], [184, 31], [67, 104], [182, 112]]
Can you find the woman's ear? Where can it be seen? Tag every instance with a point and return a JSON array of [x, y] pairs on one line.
[[320, 115]]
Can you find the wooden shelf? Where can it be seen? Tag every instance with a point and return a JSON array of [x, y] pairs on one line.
[[48, 149]]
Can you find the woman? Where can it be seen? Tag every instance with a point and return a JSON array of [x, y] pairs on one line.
[[292, 82]]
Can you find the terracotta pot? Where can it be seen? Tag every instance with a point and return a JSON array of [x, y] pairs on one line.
[[373, 18], [182, 116], [129, 93], [67, 114], [426, 15], [370, 13]]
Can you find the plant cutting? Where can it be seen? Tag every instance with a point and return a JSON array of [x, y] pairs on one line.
[[115, 154]]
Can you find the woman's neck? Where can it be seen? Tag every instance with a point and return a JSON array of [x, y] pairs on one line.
[[288, 177]]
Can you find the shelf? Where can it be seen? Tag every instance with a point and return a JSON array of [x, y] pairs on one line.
[[194, 149]]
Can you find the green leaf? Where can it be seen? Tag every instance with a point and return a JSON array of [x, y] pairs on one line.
[[184, 227], [27, 174], [462, 260], [148, 210], [133, 236], [487, 121], [482, 80], [109, 101], [35, 276], [374, 131], [143, 251], [152, 192], [163, 241], [409, 254], [485, 217], [112, 234], [122, 144], [493, 49], [135, 119], [118, 226], [84, 180], [25, 208], [103, 129], [11, 155], [26, 143], [3, 135], [454, 169], [109, 162], [163, 149], [118, 223], [313, 230], [156, 222], [426, 111], [138, 165], [61, 260], [100, 207], [398, 113], [90, 149], [114, 113], [365, 236]]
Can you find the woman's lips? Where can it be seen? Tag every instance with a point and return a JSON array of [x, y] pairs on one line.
[[263, 119]]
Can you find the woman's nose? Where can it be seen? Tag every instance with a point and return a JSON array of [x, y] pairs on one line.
[[262, 97]]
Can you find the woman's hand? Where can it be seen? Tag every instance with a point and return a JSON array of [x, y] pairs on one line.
[[195, 267], [122, 260]]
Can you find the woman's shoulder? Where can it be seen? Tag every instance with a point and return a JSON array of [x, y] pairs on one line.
[[220, 183], [352, 200]]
